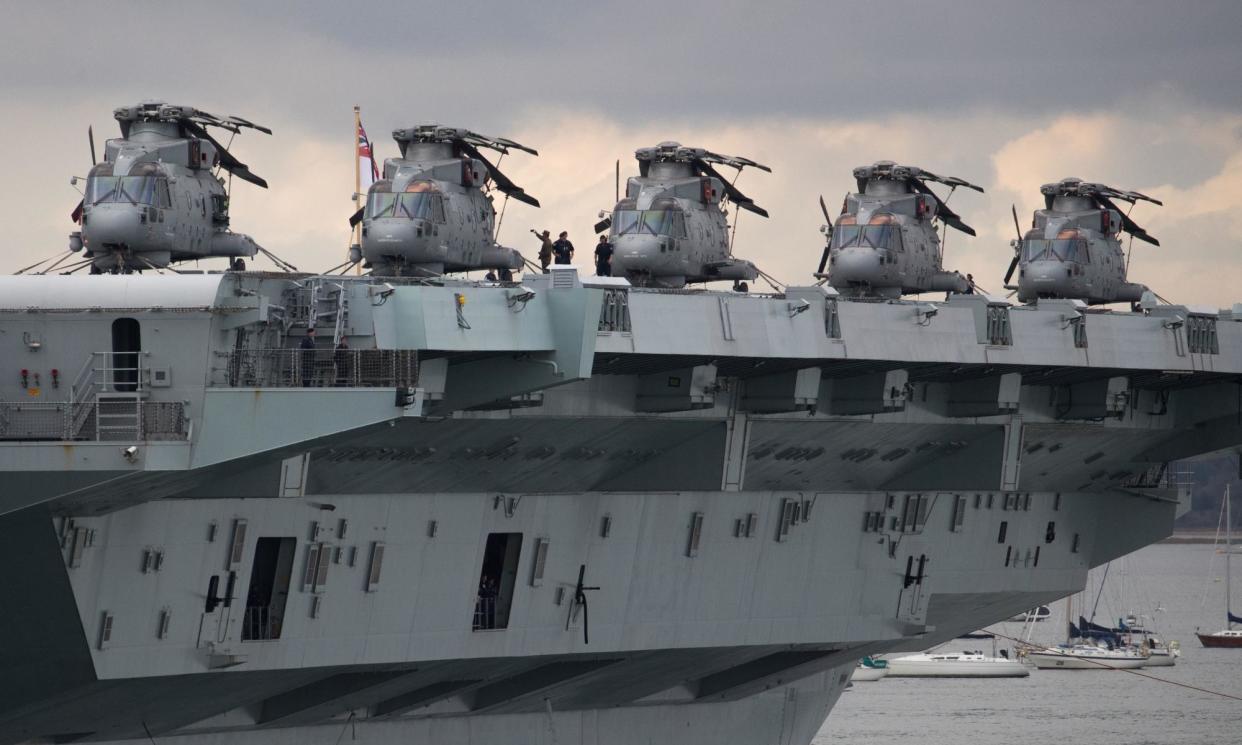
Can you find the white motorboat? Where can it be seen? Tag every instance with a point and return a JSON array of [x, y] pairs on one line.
[[955, 665], [1086, 657]]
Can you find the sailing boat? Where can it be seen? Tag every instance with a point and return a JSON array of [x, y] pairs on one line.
[[1229, 637], [1086, 649]]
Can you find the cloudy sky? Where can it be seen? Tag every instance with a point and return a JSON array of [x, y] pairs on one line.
[[1139, 95]]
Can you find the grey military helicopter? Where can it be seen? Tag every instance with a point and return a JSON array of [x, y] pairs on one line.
[[155, 199], [432, 211], [1073, 249], [670, 228], [885, 242]]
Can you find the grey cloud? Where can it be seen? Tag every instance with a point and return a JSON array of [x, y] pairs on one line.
[[489, 61]]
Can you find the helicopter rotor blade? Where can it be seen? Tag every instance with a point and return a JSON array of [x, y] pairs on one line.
[[247, 123], [738, 198], [356, 218], [949, 180], [503, 182], [227, 160], [1017, 228], [90, 137], [603, 225], [823, 261], [499, 144], [1127, 224], [1013, 264], [948, 216], [823, 207], [733, 161]]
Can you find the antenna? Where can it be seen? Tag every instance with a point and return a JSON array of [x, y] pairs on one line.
[[90, 136], [616, 190]]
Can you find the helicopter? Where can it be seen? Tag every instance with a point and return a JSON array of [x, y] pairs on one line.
[[670, 228], [430, 213], [1073, 249], [885, 241], [154, 200]]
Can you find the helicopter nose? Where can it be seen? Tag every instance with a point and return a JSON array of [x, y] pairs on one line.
[[413, 240], [857, 266], [114, 225], [1046, 273], [1045, 279], [638, 253]]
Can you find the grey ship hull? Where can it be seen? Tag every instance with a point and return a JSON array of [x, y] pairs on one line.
[[762, 490]]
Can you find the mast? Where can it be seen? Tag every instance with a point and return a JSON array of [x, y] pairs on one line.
[[1069, 619], [1228, 556], [355, 235]]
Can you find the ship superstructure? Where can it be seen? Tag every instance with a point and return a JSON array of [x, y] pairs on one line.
[[565, 510]]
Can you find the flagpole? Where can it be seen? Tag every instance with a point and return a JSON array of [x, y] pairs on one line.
[[355, 238]]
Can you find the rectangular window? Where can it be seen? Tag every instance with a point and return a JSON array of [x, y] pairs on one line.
[[696, 533], [237, 545], [959, 513], [1004, 530], [541, 561], [494, 597], [377, 563], [268, 593], [787, 518]]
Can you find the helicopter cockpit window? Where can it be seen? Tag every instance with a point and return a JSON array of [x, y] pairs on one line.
[[1061, 249], [381, 204], [421, 205], [871, 236], [132, 189], [668, 221], [626, 221]]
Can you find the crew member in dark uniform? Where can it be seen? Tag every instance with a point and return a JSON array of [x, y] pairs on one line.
[[563, 249], [603, 257], [307, 357], [341, 359]]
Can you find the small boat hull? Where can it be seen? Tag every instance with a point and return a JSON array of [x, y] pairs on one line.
[[904, 667], [1063, 661], [864, 674], [1225, 641], [1160, 658]]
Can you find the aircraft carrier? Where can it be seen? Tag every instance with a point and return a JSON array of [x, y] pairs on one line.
[[561, 510]]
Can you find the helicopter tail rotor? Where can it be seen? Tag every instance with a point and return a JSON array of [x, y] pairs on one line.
[[823, 259], [1013, 263]]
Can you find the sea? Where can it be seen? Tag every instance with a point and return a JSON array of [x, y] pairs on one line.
[[1176, 587]]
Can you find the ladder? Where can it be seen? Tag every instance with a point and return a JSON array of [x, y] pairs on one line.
[[118, 416]]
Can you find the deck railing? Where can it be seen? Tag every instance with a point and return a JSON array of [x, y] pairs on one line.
[[312, 368], [107, 418]]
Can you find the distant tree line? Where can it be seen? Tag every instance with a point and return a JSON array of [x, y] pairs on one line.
[[1210, 478]]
